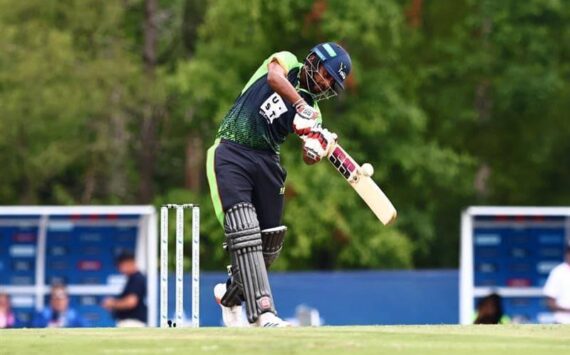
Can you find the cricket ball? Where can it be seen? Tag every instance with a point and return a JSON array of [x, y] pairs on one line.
[[366, 169]]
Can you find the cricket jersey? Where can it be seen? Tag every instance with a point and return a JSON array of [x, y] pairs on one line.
[[557, 286], [260, 118]]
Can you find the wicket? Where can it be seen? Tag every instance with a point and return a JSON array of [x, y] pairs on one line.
[[179, 304]]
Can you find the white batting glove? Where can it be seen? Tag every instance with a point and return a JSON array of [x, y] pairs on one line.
[[305, 119], [318, 143]]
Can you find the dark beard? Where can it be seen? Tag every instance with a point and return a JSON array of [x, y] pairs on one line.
[[308, 84], [313, 87]]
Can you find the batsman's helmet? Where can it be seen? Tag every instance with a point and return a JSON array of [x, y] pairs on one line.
[[337, 63], [336, 60]]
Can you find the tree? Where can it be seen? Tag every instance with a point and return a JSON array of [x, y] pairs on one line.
[[454, 103]]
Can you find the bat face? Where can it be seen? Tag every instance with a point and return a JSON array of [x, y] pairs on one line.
[[364, 185]]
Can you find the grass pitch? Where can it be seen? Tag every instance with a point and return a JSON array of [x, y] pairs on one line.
[[456, 340]]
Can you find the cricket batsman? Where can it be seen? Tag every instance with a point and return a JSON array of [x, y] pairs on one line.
[[247, 181]]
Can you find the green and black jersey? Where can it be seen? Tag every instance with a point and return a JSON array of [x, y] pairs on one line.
[[260, 118]]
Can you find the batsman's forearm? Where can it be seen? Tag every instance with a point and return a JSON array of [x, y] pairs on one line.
[[125, 303], [553, 305], [279, 83]]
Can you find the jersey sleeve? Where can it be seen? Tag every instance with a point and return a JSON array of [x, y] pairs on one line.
[[286, 59], [136, 286], [551, 287]]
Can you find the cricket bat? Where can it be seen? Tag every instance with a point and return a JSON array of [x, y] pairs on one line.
[[359, 177]]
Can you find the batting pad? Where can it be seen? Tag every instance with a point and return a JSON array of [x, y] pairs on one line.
[[272, 243], [244, 244]]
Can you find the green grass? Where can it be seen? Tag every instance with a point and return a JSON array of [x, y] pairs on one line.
[[452, 340]]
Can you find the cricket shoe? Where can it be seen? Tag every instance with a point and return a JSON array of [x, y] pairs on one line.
[[270, 320], [232, 316]]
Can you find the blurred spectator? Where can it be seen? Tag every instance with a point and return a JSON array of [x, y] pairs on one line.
[[490, 310], [129, 308], [557, 290], [58, 314], [7, 319]]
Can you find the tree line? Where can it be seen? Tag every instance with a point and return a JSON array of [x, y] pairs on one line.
[[454, 103]]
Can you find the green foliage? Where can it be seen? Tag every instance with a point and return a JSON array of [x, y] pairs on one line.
[[476, 85]]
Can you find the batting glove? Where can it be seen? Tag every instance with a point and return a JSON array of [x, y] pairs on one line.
[[318, 142], [305, 119]]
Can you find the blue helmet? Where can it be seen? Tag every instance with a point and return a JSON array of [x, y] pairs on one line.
[[336, 61]]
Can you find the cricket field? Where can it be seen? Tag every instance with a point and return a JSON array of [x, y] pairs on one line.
[[417, 340]]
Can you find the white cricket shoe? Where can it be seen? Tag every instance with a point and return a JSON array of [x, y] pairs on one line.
[[270, 320], [232, 316]]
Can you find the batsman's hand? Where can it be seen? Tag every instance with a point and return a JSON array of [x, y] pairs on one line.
[[318, 143], [305, 119], [108, 303]]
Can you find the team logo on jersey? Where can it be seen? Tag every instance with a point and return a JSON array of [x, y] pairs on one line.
[[272, 108], [341, 71]]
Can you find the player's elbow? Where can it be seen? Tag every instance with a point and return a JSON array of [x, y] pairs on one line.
[[275, 75], [273, 80], [131, 301]]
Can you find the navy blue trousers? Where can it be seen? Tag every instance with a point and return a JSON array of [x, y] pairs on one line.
[[243, 174]]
